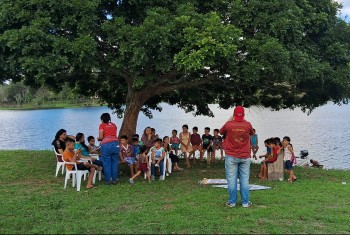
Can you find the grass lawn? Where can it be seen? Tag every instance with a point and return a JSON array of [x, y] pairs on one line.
[[32, 200]]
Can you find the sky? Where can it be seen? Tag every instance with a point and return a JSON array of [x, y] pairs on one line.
[[345, 11]]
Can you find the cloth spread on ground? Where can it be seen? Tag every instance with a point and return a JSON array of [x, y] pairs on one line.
[[222, 183]]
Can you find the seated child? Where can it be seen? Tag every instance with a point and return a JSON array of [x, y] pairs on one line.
[[135, 148], [70, 156], [138, 137], [196, 143], [217, 143], [268, 150], [157, 157], [142, 165], [93, 149], [80, 144], [126, 154], [273, 144], [175, 141]]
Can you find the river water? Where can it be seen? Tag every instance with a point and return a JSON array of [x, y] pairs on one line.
[[325, 133]]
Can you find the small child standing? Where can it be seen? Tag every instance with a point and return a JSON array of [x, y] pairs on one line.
[[142, 165], [207, 144], [126, 154], [289, 159], [175, 141], [254, 146], [217, 143], [157, 156]]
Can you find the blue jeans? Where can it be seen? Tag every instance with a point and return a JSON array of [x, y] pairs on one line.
[[161, 166], [110, 157], [237, 167]]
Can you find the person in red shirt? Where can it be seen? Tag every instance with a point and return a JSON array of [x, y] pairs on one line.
[[107, 134], [237, 132], [196, 143]]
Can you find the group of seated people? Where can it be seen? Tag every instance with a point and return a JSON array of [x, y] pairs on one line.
[[137, 153]]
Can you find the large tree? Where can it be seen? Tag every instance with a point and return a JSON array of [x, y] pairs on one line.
[[136, 54]]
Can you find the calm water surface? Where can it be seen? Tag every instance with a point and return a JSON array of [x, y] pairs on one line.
[[325, 133]]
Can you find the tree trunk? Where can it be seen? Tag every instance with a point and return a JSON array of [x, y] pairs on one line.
[[134, 104]]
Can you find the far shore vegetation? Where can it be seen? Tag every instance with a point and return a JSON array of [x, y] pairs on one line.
[[15, 96], [33, 201]]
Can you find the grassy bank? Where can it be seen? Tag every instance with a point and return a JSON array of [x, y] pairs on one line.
[[33, 201], [50, 105]]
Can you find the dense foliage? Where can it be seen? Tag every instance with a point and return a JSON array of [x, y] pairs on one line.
[[135, 54]]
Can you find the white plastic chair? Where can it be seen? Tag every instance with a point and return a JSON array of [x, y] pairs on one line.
[[164, 164], [60, 162], [76, 175], [96, 172]]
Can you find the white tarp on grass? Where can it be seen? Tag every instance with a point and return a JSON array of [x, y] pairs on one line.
[[222, 183], [251, 187]]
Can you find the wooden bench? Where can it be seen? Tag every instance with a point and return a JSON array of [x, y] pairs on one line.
[[275, 171]]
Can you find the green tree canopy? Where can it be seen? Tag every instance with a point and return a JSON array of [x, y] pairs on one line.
[[135, 54]]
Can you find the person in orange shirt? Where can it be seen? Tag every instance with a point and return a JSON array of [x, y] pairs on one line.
[[70, 156]]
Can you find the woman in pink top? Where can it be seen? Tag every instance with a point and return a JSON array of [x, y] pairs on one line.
[[107, 134]]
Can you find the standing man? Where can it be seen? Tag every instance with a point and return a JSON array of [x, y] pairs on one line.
[[237, 134]]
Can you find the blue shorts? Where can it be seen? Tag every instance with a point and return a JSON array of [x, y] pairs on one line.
[[130, 160], [175, 146], [288, 165]]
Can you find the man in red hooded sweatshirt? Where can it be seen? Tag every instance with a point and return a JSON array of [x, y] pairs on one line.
[[237, 134]]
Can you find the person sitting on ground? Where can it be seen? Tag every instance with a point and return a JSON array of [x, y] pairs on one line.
[[93, 149], [315, 163], [157, 157], [289, 159], [175, 141], [59, 141], [196, 143], [207, 143], [254, 144], [185, 140], [80, 144], [217, 144], [273, 144], [142, 165], [126, 154], [70, 156], [268, 150]]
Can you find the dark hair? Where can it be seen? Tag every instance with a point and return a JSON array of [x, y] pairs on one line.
[[216, 130], [135, 136], [58, 134], [90, 138], [286, 138], [185, 126], [175, 131], [69, 140], [123, 137], [207, 128], [158, 140], [195, 128], [266, 141], [134, 139], [278, 141], [152, 129], [78, 137], [272, 141], [105, 117], [165, 137], [143, 149]]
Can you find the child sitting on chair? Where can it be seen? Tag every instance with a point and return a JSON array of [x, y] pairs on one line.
[[70, 156], [142, 165], [175, 141], [217, 143], [126, 154], [93, 149], [157, 156]]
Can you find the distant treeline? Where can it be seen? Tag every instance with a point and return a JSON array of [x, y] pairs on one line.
[[17, 94]]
